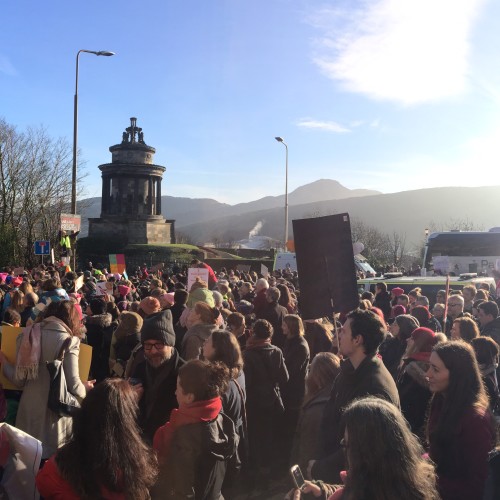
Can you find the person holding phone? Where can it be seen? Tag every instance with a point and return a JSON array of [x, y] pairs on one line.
[[374, 426]]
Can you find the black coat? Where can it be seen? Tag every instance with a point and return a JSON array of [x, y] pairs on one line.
[[392, 350], [200, 454], [383, 302], [296, 353], [371, 378], [159, 398], [264, 370], [414, 394]]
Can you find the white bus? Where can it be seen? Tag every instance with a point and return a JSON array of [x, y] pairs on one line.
[[461, 252]]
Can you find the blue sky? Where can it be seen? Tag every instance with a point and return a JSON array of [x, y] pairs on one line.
[[382, 94]]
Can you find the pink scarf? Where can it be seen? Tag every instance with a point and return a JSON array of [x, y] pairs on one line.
[[30, 349]]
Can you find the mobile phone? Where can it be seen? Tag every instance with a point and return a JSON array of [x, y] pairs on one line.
[[297, 477]]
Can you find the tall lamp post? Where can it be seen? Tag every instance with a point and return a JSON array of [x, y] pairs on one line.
[[280, 139], [75, 124]]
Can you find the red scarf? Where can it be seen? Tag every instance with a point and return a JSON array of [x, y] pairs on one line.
[[193, 413], [253, 342]]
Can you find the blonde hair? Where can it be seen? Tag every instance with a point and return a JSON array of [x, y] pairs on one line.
[[294, 324]]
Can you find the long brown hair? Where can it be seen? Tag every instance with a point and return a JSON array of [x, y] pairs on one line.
[[65, 311], [227, 350], [323, 370], [106, 448], [385, 458], [465, 391]]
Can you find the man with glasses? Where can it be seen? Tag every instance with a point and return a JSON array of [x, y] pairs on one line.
[[156, 376], [455, 310]]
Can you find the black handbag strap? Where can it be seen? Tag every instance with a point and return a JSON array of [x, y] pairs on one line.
[[64, 346]]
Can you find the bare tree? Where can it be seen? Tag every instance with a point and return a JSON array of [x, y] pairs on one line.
[[35, 188]]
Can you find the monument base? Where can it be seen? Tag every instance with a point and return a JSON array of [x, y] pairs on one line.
[[138, 232]]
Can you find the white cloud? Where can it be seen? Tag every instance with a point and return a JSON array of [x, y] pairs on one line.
[[407, 51], [328, 126], [6, 66]]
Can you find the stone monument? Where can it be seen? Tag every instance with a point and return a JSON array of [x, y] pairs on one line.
[[131, 194]]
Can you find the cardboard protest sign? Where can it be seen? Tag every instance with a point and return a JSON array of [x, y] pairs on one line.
[[104, 288], [79, 283], [84, 361], [9, 338], [117, 263], [193, 273], [264, 271]]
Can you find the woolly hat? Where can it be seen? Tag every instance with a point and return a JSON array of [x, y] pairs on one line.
[[421, 313], [123, 290], [397, 291], [166, 300], [425, 337], [158, 327], [123, 306], [130, 324], [149, 305], [17, 281], [397, 310]]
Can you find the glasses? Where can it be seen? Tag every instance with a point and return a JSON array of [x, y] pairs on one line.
[[158, 346]]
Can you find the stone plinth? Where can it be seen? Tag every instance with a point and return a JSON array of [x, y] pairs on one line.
[[131, 194]]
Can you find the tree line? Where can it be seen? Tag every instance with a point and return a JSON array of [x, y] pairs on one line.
[[35, 188]]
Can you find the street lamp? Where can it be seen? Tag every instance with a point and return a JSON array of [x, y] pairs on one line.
[[280, 139], [75, 123]]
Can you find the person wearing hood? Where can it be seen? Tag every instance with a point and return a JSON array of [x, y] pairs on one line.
[[51, 292], [195, 446], [125, 338], [201, 322], [98, 325], [412, 383]]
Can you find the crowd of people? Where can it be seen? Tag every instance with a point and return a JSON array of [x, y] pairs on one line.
[[215, 391]]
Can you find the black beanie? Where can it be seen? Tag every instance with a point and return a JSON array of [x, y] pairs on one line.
[[159, 327]]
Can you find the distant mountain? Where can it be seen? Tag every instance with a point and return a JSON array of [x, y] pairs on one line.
[[187, 211], [407, 212]]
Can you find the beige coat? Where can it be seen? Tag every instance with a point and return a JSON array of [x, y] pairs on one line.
[[33, 416]]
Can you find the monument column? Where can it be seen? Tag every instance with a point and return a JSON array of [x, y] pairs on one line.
[[158, 197], [150, 196]]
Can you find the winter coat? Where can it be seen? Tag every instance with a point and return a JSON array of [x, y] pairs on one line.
[[296, 354], [33, 416], [52, 486], [383, 302], [392, 350], [265, 370], [414, 394], [193, 340], [159, 398], [492, 329], [200, 455], [306, 441], [370, 378], [99, 334], [461, 463]]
